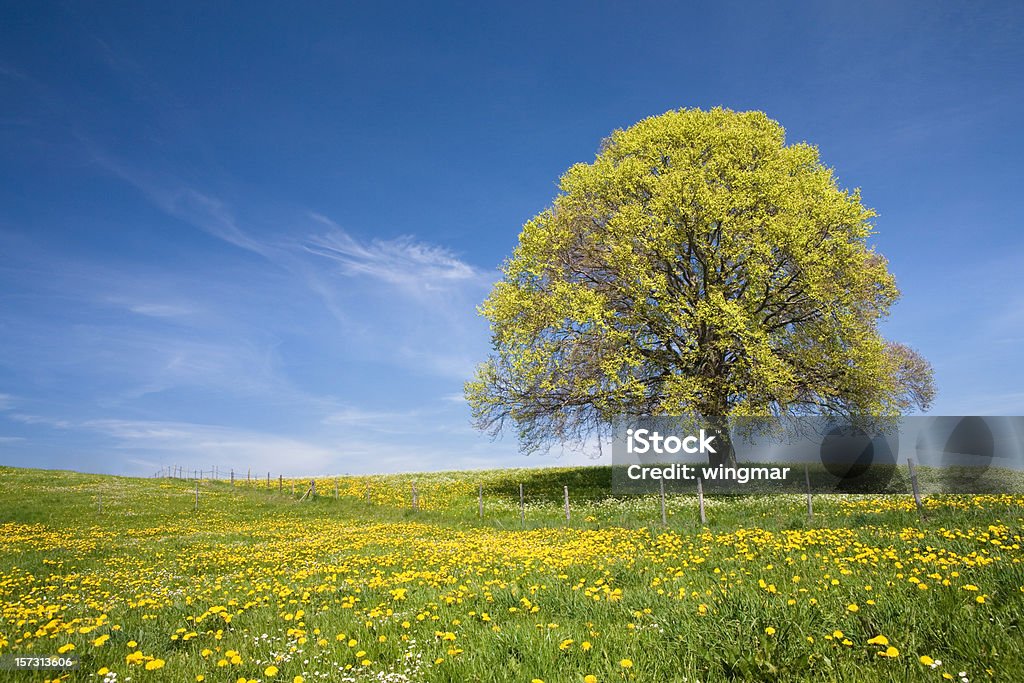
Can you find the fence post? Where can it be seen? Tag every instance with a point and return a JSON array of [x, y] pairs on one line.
[[335, 489], [522, 506], [565, 490], [280, 483], [248, 477], [700, 500], [268, 481], [810, 505], [913, 485], [661, 485], [312, 489], [232, 476], [480, 500]]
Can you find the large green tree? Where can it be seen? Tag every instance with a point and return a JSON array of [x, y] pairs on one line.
[[699, 266]]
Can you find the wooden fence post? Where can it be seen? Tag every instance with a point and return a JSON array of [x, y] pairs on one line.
[[700, 500], [268, 481], [312, 489], [522, 506], [916, 490], [335, 489], [661, 485], [280, 483], [232, 476], [565, 490], [810, 504]]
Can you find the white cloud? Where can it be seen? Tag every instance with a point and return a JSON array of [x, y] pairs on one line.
[[156, 310], [401, 261], [177, 199], [29, 419], [198, 445], [359, 417]]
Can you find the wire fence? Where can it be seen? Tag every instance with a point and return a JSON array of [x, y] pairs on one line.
[[442, 495]]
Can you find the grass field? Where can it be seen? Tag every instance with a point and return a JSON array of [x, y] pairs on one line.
[[258, 586]]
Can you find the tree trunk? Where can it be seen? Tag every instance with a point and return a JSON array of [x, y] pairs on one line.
[[725, 452]]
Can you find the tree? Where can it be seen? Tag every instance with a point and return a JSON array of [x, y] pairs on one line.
[[699, 266]]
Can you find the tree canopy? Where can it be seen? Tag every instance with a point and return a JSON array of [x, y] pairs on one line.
[[699, 266]]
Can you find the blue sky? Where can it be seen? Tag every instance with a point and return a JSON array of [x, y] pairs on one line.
[[255, 236]]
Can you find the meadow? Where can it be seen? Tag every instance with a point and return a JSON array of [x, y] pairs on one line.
[[258, 585]]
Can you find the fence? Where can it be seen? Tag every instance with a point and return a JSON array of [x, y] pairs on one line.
[[362, 489]]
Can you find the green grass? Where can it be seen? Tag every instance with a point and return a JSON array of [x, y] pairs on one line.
[[682, 601]]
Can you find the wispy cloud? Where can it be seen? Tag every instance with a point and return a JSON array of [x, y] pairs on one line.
[[199, 444], [44, 420], [402, 261], [358, 417], [180, 200], [160, 310], [283, 345]]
